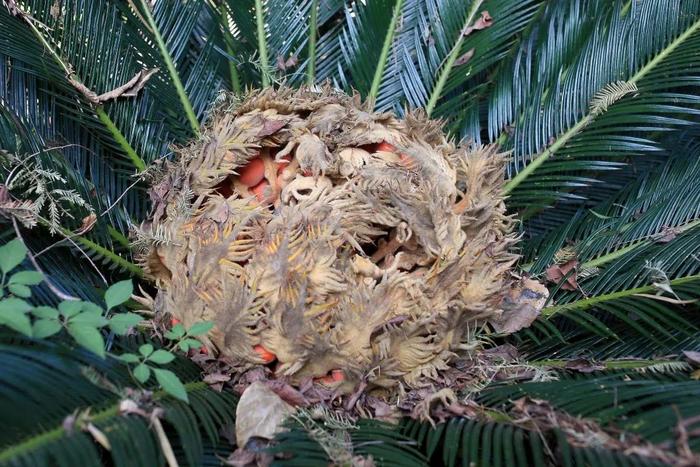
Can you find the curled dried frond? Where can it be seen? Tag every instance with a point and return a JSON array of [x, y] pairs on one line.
[[332, 243]]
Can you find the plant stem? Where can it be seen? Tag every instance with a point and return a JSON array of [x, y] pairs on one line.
[[35, 442], [120, 139], [589, 302], [110, 255], [608, 364], [624, 250], [313, 32], [588, 118], [388, 40], [228, 40], [451, 59], [262, 43], [186, 104]]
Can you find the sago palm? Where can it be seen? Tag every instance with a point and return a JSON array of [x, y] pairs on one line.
[[136, 143]]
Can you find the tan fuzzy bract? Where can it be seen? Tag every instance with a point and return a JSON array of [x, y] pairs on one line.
[[373, 261]]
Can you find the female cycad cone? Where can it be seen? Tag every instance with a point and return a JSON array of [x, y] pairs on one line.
[[332, 243]]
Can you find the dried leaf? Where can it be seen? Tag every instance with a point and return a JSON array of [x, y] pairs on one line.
[[666, 235], [214, 378], [283, 65], [56, 10], [555, 273], [583, 365], [288, 393], [88, 223], [484, 21], [99, 436], [129, 89], [270, 127], [693, 357], [260, 412], [11, 6], [165, 445], [521, 306], [464, 58]]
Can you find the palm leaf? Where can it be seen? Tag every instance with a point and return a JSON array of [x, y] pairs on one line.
[[39, 373]]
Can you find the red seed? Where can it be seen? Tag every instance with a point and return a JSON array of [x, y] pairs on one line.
[[266, 355], [252, 173], [174, 321], [386, 147], [334, 376], [260, 190]]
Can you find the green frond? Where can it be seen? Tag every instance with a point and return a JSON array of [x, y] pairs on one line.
[[67, 382]]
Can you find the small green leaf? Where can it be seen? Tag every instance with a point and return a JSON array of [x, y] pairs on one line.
[[17, 320], [142, 373], [192, 343], [129, 358], [89, 318], [45, 327], [88, 337], [118, 293], [69, 308], [20, 290], [13, 303], [146, 350], [200, 328], [171, 384], [45, 312], [92, 307], [175, 332], [26, 278], [120, 323], [11, 255], [161, 357]]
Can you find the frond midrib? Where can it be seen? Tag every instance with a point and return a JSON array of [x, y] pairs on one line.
[[590, 116], [37, 441]]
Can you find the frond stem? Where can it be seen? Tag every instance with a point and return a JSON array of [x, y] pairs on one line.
[[588, 118], [106, 252], [35, 442], [592, 301], [262, 43], [388, 40], [600, 260], [609, 364], [186, 104], [451, 59], [313, 33]]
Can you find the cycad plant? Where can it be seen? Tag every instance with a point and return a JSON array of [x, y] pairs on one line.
[[594, 102]]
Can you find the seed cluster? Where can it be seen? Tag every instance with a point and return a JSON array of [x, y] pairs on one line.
[[328, 242]]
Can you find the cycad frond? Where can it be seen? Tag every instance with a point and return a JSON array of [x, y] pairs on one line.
[[80, 408]]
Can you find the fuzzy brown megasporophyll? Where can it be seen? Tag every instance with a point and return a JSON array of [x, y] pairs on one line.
[[330, 242]]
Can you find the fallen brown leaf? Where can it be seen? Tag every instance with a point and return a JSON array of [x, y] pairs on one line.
[[484, 21], [260, 412], [556, 273], [464, 58], [521, 306]]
